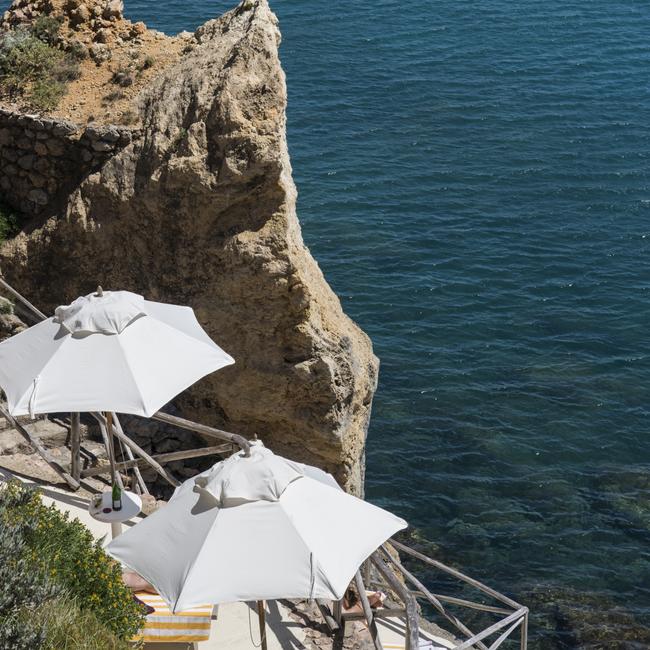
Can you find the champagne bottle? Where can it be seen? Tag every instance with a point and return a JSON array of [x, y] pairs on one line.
[[117, 497]]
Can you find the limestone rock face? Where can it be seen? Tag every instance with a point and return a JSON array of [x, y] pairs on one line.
[[199, 209]]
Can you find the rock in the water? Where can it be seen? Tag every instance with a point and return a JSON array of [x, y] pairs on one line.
[[199, 209], [580, 619]]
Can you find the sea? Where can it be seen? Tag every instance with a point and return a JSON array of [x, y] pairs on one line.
[[474, 181]]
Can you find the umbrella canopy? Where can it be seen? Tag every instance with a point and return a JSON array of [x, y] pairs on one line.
[[255, 528], [109, 351]]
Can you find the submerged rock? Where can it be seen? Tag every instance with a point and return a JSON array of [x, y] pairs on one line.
[[199, 209], [568, 618], [624, 496]]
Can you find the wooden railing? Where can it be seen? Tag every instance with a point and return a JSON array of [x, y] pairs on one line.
[[385, 570], [514, 617]]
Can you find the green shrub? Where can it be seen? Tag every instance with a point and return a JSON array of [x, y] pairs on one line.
[[77, 51], [9, 222], [24, 60], [22, 586], [45, 94], [46, 28], [147, 63], [34, 69], [6, 306], [62, 556], [122, 77]]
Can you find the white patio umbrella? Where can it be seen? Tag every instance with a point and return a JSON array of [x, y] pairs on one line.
[[254, 528], [108, 351]]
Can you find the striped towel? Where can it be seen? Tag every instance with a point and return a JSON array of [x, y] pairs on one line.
[[190, 626]]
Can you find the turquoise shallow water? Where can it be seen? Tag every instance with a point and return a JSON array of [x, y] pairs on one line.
[[474, 180]]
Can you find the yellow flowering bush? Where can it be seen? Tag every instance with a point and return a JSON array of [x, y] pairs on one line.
[[66, 554]]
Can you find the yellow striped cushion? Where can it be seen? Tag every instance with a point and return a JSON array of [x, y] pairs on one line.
[[190, 626]]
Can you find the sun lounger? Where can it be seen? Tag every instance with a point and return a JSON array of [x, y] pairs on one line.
[[190, 627]]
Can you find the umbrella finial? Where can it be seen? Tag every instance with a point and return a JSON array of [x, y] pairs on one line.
[[100, 291]]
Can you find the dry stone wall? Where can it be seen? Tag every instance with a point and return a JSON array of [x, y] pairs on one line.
[[42, 159]]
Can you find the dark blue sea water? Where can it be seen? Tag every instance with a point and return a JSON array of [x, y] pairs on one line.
[[474, 180]]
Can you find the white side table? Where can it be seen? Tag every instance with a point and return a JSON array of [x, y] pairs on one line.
[[131, 506]]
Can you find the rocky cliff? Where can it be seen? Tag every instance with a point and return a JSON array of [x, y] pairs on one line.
[[198, 208]]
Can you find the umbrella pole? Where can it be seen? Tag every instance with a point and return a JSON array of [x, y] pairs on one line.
[[75, 446], [261, 614]]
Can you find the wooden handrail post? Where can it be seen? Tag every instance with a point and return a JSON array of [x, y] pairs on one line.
[[136, 470], [368, 613], [138, 450], [261, 615], [410, 604]]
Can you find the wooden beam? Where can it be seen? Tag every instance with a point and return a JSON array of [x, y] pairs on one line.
[[36, 312], [211, 432], [107, 444], [466, 603], [368, 613], [40, 448], [506, 634], [160, 458]]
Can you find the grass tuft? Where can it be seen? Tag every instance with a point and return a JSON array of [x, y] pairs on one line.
[[68, 626]]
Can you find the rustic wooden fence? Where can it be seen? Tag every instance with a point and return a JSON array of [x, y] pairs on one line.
[[385, 570]]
